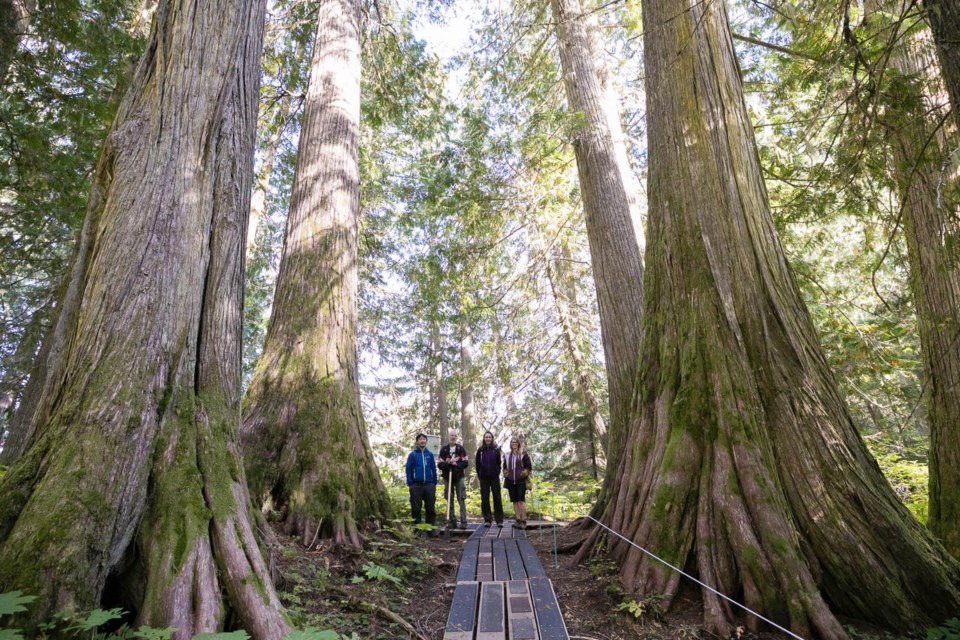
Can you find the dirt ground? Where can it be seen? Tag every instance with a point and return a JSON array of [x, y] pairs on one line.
[[348, 592]]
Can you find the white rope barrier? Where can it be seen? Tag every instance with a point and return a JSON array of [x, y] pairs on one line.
[[705, 586]]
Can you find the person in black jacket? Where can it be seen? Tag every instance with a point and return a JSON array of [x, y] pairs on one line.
[[489, 462], [516, 474], [453, 466]]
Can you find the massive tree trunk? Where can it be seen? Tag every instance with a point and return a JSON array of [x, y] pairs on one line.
[[467, 429], [132, 477], [930, 201], [614, 249], [944, 18], [743, 462], [304, 438]]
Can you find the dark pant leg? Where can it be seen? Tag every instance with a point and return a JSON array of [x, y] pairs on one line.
[[430, 498], [416, 499], [497, 503], [485, 499]]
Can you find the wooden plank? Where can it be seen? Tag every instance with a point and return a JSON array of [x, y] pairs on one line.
[[490, 625], [520, 617], [523, 629], [530, 560], [550, 622], [501, 570], [507, 530], [485, 561], [517, 587], [468, 561], [461, 621], [478, 531], [514, 561]]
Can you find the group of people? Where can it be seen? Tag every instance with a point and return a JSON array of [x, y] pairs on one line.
[[490, 462]]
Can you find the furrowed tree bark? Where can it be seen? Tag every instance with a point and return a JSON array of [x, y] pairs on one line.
[[929, 192], [614, 249], [49, 366], [133, 475], [743, 462], [944, 18], [303, 434]]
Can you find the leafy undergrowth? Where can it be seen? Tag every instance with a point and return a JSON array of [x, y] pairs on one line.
[[395, 587], [905, 466]]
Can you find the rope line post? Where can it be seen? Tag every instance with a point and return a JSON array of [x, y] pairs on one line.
[[702, 584]]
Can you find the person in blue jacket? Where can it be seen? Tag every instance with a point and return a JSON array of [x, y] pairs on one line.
[[422, 482]]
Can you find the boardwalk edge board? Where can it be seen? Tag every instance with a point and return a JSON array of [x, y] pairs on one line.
[[461, 621]]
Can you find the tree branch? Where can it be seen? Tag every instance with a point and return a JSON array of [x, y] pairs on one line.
[[773, 47]]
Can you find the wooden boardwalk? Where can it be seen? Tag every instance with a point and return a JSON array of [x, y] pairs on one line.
[[502, 591]]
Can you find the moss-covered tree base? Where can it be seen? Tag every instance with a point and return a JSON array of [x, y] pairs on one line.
[[198, 540], [308, 458]]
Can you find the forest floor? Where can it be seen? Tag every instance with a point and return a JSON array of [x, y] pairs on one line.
[[400, 585]]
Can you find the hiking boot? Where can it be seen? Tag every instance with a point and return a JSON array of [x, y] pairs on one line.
[[487, 523], [463, 524]]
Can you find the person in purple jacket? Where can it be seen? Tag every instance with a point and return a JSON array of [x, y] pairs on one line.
[[516, 471], [488, 464]]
